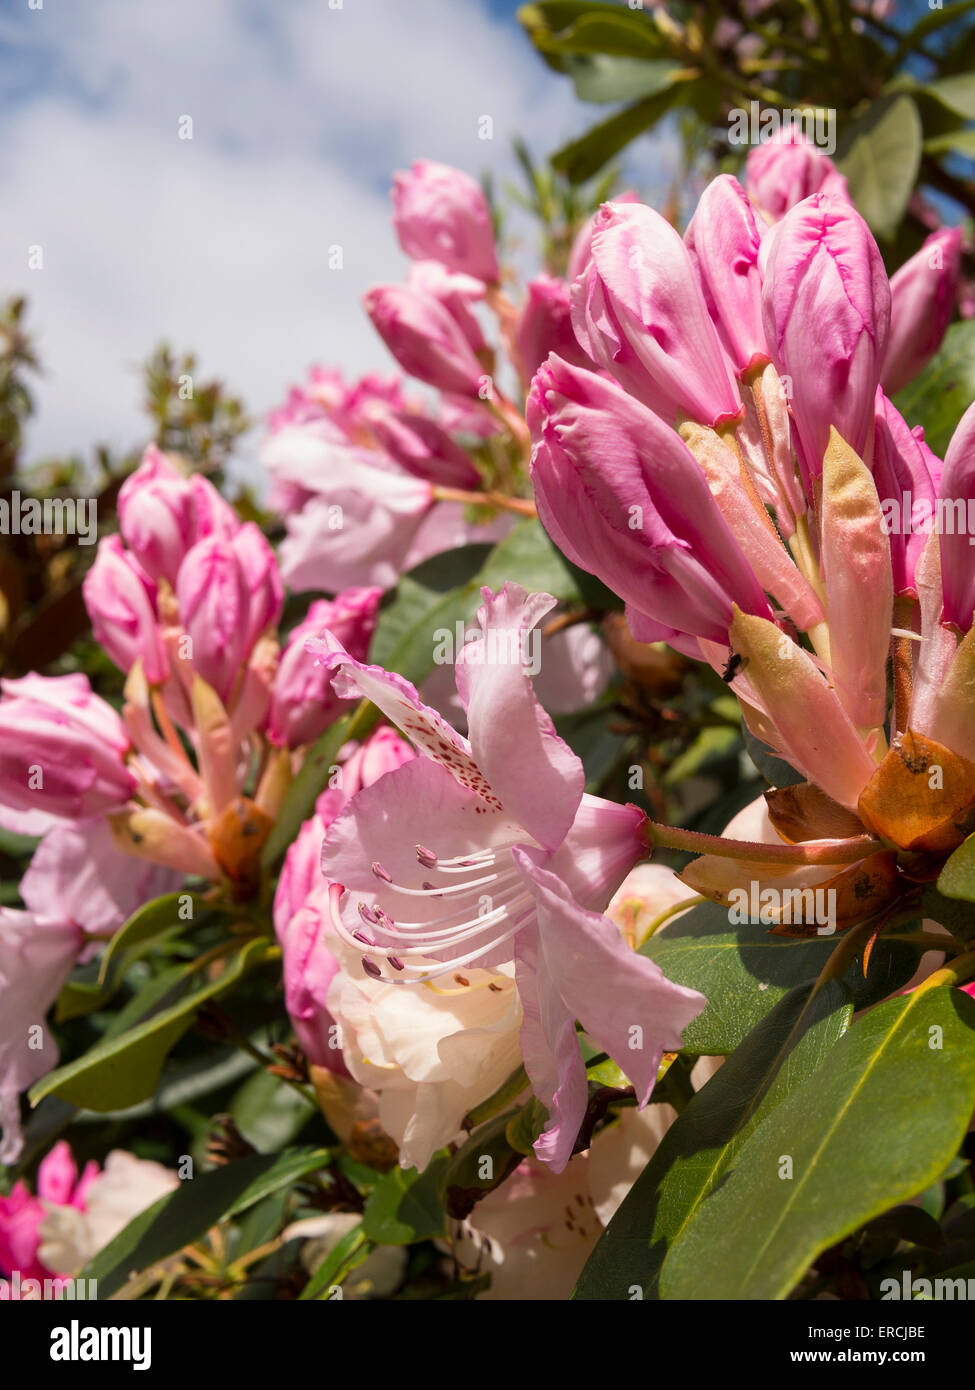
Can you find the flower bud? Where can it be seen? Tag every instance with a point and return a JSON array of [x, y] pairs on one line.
[[922, 301], [624, 498], [121, 602], [441, 214], [780, 173], [638, 311], [424, 337], [214, 607], [62, 753], [545, 325], [303, 704], [723, 240], [826, 310], [958, 497]]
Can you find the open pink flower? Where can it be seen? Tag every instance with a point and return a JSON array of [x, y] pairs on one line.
[[494, 851], [22, 1214]]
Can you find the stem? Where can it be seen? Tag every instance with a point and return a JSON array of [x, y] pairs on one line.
[[844, 852], [521, 505]]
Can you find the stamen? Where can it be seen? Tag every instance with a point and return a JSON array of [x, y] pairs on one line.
[[371, 968], [380, 872]]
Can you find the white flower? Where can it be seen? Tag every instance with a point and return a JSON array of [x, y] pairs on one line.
[[126, 1186]]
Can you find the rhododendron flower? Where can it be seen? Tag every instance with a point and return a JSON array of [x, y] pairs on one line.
[[22, 1214], [36, 957], [497, 853]]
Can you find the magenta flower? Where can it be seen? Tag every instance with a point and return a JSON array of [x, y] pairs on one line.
[[302, 912], [121, 602], [958, 490], [424, 337], [922, 295], [62, 753], [639, 312], [907, 475], [424, 449], [826, 309], [723, 239], [441, 214], [263, 579], [36, 958], [21, 1213], [214, 607], [624, 498], [545, 326], [581, 251], [302, 702], [493, 851], [162, 514], [781, 173]]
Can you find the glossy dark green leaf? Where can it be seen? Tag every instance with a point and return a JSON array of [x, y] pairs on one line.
[[186, 1214], [957, 878], [872, 1128], [745, 970], [124, 1069], [407, 1205], [787, 1046], [880, 155], [939, 397]]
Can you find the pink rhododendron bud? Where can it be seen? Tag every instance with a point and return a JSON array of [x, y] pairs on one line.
[[780, 173], [723, 239], [36, 957], [457, 293], [441, 214], [958, 494], [625, 499], [639, 312], [424, 337], [303, 704], [907, 475], [214, 597], [922, 295], [157, 514], [582, 245], [121, 602], [309, 969], [263, 579], [213, 515], [545, 326], [826, 309], [62, 753], [424, 448]]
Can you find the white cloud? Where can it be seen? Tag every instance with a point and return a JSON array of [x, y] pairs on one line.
[[301, 113]]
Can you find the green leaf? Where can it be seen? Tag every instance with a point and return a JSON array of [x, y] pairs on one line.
[[880, 155], [942, 393], [582, 158], [124, 1069], [744, 971], [605, 78], [141, 930], [299, 801], [870, 1130], [338, 1264], [527, 555], [787, 1046], [957, 93], [776, 771], [952, 142], [560, 28], [269, 1113], [957, 878], [407, 1205], [953, 913], [185, 1215]]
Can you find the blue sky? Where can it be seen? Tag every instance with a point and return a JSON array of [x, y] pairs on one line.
[[301, 113]]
